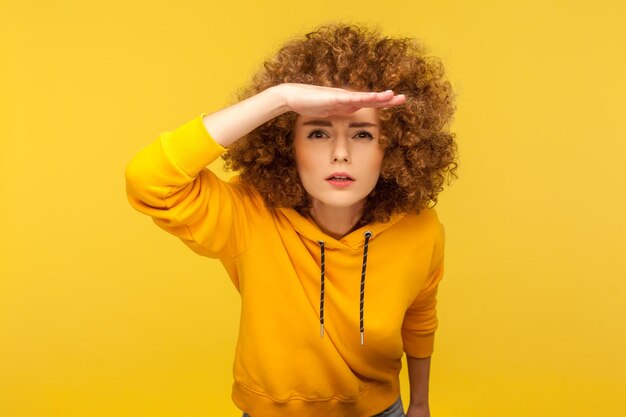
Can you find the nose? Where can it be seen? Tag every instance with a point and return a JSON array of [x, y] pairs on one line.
[[341, 152]]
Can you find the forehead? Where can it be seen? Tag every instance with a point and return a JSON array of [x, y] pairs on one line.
[[365, 114]]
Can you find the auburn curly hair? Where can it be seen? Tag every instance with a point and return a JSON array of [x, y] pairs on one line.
[[419, 150]]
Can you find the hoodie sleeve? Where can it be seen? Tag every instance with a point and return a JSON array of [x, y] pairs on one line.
[[420, 320], [168, 180]]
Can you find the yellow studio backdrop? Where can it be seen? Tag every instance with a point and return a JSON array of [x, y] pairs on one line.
[[104, 314]]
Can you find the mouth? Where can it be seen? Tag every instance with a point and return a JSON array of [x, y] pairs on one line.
[[340, 179], [339, 176]]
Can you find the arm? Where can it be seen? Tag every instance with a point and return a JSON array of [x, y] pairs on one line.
[[231, 123], [420, 320], [419, 372], [169, 181], [418, 330]]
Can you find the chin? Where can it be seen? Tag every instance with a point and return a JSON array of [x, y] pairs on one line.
[[339, 201]]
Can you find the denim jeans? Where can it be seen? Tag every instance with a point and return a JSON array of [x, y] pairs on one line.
[[394, 410]]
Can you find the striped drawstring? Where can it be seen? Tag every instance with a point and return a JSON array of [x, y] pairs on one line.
[[367, 235], [322, 270]]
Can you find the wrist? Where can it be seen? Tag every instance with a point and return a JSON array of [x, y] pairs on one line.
[[278, 98], [418, 411]]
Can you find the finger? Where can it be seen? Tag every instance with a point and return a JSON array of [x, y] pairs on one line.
[[388, 95], [384, 95], [378, 97], [399, 99], [371, 99], [353, 98], [395, 101], [358, 97]]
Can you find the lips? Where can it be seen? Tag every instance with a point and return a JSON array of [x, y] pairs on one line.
[[341, 176]]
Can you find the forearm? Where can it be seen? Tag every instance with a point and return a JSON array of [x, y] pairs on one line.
[[419, 373], [231, 123]]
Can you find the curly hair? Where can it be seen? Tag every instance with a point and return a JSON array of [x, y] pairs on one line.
[[419, 150]]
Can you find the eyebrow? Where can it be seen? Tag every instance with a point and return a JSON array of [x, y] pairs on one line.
[[327, 123]]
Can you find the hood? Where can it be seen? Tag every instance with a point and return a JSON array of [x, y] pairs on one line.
[[356, 239], [353, 240]]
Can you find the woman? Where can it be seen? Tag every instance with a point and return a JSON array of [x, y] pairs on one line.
[[326, 232]]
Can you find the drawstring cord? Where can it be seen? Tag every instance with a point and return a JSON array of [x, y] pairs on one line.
[[322, 271], [367, 235]]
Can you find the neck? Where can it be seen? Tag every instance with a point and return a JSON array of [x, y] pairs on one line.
[[336, 221]]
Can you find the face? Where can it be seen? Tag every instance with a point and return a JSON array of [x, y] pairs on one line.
[[339, 157]]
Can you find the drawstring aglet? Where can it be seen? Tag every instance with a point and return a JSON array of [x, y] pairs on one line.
[[322, 330], [361, 338]]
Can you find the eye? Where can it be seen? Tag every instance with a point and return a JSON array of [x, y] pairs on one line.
[[320, 134], [316, 134], [367, 134]]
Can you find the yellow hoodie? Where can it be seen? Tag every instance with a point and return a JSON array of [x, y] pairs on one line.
[[324, 322]]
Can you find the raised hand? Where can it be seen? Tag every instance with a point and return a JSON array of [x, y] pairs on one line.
[[230, 123], [319, 101]]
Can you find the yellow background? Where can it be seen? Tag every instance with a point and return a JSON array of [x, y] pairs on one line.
[[104, 314]]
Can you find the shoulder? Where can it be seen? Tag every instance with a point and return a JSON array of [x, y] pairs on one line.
[[427, 220], [247, 197], [431, 233], [420, 230]]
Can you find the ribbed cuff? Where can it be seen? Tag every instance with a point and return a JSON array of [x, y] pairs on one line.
[[191, 147]]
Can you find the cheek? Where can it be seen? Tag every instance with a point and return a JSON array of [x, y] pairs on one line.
[[379, 158], [375, 161], [306, 160]]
